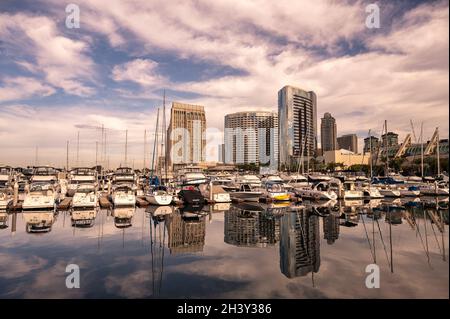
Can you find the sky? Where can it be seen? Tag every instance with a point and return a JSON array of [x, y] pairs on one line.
[[228, 56]]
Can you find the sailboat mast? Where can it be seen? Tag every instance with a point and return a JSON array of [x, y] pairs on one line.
[[164, 136], [386, 148], [154, 146], [421, 149], [437, 153]]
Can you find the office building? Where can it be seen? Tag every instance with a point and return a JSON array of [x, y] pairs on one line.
[[186, 141], [221, 153], [371, 144], [251, 137], [390, 138], [328, 133], [297, 121], [346, 158], [348, 142]]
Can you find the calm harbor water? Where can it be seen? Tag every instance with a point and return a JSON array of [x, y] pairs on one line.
[[312, 250]]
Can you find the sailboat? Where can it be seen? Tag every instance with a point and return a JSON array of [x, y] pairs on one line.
[[159, 195]]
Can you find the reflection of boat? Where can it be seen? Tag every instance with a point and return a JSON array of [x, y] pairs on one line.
[[387, 191], [159, 210], [3, 220], [123, 217], [41, 195], [38, 222], [83, 218], [221, 206], [6, 197]]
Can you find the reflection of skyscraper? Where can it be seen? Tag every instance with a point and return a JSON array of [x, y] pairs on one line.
[[186, 235], [299, 244], [331, 228], [252, 228]]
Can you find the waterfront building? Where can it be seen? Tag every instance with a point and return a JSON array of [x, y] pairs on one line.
[[369, 142], [297, 121], [348, 142], [391, 139], [186, 141], [328, 133], [251, 137], [221, 153], [347, 158], [299, 244]]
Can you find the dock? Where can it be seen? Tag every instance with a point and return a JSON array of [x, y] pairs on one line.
[[141, 202], [65, 203], [105, 203]]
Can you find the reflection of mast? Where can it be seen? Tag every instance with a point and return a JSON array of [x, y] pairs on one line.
[[156, 227], [390, 238], [14, 224]]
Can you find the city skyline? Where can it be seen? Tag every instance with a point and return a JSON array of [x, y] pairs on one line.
[[57, 81]]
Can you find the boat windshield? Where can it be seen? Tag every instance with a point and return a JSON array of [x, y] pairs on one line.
[[40, 187]]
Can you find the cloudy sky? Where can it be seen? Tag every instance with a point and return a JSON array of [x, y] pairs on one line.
[[226, 55]]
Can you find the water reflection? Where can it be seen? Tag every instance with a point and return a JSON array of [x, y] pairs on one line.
[[186, 228], [249, 250]]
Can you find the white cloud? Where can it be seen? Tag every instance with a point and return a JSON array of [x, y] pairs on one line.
[[61, 61], [23, 87], [142, 71]]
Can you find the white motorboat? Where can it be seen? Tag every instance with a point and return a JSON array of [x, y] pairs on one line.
[[6, 176], [388, 191], [125, 175], [251, 180], [45, 174], [41, 195], [123, 195], [85, 196], [6, 197], [296, 181], [371, 192], [215, 193], [246, 193], [346, 190], [39, 221], [318, 191], [78, 176], [275, 191], [408, 190], [434, 189], [193, 178], [159, 196]]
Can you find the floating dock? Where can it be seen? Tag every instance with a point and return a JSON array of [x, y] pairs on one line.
[[105, 203], [65, 203], [140, 202]]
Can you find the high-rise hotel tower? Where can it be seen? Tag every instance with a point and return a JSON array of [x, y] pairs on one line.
[[186, 141], [297, 122], [251, 137]]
